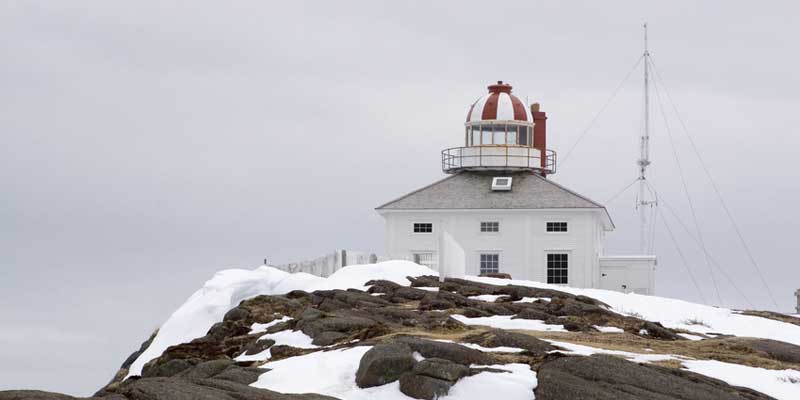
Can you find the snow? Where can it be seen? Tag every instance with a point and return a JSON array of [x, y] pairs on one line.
[[229, 287], [428, 288], [505, 322], [334, 375], [532, 299], [488, 297], [674, 313], [258, 328], [516, 385], [498, 349], [582, 350], [776, 383], [609, 329], [290, 338], [690, 337]]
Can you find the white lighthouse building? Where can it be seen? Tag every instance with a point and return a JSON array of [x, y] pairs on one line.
[[499, 208]]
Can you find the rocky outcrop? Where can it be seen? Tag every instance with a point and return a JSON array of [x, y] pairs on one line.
[[604, 377], [416, 343]]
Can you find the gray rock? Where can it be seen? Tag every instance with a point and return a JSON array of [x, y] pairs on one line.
[[236, 314], [603, 377], [258, 346], [777, 350], [168, 368], [328, 338], [32, 395], [441, 369], [206, 369], [384, 363], [501, 338], [423, 387], [202, 389], [448, 351]]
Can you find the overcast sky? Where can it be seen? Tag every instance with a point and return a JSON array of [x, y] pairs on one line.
[[144, 146]]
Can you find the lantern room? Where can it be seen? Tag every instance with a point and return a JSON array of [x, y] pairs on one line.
[[502, 133]]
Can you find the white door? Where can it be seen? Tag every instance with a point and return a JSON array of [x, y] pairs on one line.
[[613, 278]]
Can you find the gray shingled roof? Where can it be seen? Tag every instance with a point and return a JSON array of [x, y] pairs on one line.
[[473, 190]]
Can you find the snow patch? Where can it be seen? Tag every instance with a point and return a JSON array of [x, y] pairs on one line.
[[228, 288], [491, 298], [674, 313], [258, 328], [334, 375], [690, 337], [498, 349], [780, 384], [581, 350], [505, 322], [609, 329], [533, 299]]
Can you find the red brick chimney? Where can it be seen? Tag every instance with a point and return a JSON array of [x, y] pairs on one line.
[[540, 132]]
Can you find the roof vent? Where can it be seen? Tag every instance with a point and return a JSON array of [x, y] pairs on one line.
[[501, 184]]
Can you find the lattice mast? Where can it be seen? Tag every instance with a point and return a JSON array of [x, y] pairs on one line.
[[645, 200]]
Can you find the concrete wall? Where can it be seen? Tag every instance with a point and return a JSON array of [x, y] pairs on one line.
[[326, 265], [522, 243]]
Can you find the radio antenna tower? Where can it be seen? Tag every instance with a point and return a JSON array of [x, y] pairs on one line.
[[645, 200]]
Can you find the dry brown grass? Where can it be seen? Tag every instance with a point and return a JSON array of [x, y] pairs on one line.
[[726, 350]]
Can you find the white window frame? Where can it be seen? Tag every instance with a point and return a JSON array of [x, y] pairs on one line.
[[481, 225], [557, 220], [490, 252], [414, 232], [569, 264]]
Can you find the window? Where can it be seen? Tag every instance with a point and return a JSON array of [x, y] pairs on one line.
[[512, 134], [499, 134], [486, 134], [424, 227], [425, 259], [490, 227], [490, 263], [502, 183], [556, 226], [523, 135], [557, 267], [476, 136]]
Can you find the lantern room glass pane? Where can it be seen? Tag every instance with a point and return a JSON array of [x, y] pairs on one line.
[[512, 134], [523, 135], [499, 134], [486, 134], [476, 136]]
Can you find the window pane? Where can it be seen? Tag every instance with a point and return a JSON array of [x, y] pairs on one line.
[[476, 135], [486, 134], [523, 135], [499, 134], [512, 134]]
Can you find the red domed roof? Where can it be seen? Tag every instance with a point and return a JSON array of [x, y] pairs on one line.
[[499, 105]]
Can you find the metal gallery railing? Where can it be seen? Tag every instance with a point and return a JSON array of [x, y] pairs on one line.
[[498, 157]]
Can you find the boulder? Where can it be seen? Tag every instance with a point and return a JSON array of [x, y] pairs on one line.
[[499, 337], [775, 349], [383, 364], [328, 338], [604, 377], [441, 369], [423, 387], [448, 351]]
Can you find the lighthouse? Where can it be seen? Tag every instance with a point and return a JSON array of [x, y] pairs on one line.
[[502, 133], [506, 216]]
